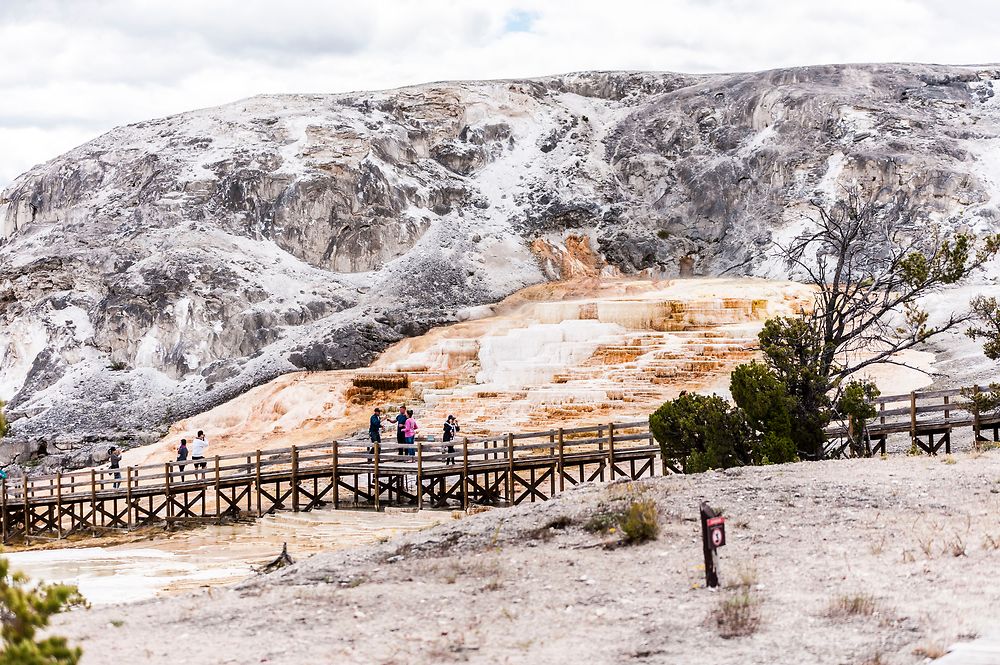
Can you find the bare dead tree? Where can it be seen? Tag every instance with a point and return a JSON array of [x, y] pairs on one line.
[[871, 264]]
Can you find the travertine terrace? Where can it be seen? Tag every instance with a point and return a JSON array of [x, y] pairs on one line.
[[565, 354]]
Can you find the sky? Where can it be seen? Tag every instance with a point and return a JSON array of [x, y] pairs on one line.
[[73, 69]]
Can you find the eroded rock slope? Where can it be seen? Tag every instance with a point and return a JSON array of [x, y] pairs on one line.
[[171, 264]]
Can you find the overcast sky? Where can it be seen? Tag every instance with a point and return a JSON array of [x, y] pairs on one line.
[[72, 69]]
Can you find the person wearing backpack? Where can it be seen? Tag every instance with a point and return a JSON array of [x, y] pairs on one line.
[[450, 429]]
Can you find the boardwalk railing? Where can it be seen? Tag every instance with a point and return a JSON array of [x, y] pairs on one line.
[[507, 470], [501, 470], [929, 417]]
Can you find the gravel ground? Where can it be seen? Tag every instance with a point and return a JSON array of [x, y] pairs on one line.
[[854, 562]]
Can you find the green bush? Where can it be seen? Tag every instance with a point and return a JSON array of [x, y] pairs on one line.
[[640, 522], [768, 408], [702, 433], [24, 610], [4, 425]]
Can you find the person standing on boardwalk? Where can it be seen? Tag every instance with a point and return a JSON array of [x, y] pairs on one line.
[[375, 429], [450, 429], [198, 449], [410, 428], [401, 429], [115, 458], [182, 455]]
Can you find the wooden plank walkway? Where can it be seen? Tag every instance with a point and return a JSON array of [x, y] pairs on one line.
[[503, 470], [929, 418]]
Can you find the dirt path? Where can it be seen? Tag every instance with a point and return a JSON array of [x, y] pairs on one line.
[[848, 562]]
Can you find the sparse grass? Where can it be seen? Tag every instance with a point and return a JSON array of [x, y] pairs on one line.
[[991, 543], [948, 459], [737, 615], [852, 605], [117, 623], [549, 529], [876, 548], [602, 521], [926, 546], [931, 651], [956, 546], [746, 578], [874, 659]]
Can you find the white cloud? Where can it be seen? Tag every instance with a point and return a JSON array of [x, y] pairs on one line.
[[74, 68]]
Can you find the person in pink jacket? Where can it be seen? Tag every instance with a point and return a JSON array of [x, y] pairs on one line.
[[410, 428]]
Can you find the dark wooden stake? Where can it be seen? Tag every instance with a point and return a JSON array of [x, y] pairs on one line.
[[711, 558]]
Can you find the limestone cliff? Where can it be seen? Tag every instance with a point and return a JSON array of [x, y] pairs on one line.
[[171, 264]]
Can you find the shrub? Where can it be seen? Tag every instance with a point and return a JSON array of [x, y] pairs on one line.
[[737, 615], [702, 433], [4, 425], [640, 522], [25, 609]]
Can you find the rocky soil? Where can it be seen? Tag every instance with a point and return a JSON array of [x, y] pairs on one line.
[[171, 264], [842, 562]]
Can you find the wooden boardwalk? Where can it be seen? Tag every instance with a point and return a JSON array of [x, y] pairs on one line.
[[929, 417], [504, 470]]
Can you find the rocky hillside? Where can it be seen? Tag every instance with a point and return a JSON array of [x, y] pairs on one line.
[[171, 264]]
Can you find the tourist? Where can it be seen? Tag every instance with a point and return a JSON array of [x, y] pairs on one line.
[[375, 429], [198, 449], [450, 429], [182, 455], [410, 428], [401, 430], [115, 458]]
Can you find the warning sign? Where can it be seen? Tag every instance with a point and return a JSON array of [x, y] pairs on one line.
[[716, 531]]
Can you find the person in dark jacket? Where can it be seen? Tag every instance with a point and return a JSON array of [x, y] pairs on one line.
[[375, 429], [451, 428], [182, 455], [401, 429], [115, 458]]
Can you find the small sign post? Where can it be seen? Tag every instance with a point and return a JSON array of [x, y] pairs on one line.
[[713, 536]]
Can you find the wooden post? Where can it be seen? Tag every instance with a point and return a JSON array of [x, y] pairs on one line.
[[218, 493], [59, 533], [93, 498], [975, 414], [510, 469], [27, 508], [600, 447], [3, 499], [711, 572], [295, 479], [420, 474], [562, 461], [375, 489], [128, 498], [611, 450], [336, 464], [913, 418], [257, 483], [169, 512], [465, 473]]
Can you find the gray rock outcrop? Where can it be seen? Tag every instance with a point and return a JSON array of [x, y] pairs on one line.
[[169, 265]]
